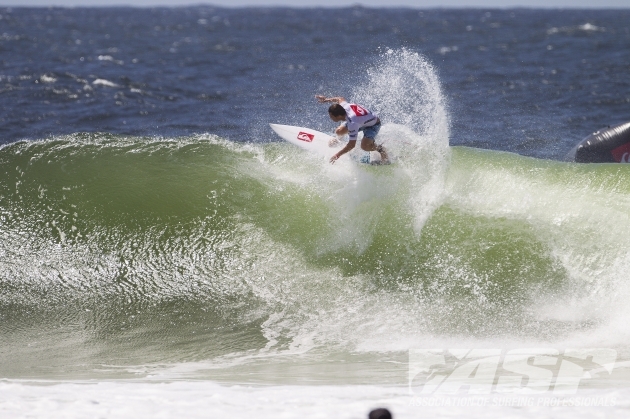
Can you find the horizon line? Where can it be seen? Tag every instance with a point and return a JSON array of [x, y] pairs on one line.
[[285, 6]]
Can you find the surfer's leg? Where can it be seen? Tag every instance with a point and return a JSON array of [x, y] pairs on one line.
[[368, 144], [383, 153]]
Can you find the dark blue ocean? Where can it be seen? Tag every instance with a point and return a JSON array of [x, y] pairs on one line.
[[164, 254], [532, 82]]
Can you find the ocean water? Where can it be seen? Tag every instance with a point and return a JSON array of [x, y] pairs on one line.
[[164, 254]]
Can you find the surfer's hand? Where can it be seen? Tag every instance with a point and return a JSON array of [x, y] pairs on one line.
[[320, 98], [333, 159]]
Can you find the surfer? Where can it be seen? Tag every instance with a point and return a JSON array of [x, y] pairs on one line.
[[355, 118]]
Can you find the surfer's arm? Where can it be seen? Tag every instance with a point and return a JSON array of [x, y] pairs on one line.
[[344, 150], [324, 99]]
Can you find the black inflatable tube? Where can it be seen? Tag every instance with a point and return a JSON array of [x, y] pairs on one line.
[[608, 145]]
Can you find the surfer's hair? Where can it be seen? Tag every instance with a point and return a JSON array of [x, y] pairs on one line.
[[337, 110]]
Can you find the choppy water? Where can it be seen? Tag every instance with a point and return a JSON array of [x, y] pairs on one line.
[[153, 229]]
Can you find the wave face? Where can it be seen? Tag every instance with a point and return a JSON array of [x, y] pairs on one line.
[[128, 251]]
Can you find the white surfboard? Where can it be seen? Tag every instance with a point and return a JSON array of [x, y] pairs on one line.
[[319, 143]]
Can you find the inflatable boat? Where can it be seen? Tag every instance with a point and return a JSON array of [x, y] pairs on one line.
[[608, 145]]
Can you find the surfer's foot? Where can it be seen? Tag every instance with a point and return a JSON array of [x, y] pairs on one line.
[[383, 153]]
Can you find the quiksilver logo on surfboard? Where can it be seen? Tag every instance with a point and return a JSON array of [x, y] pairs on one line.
[[305, 136]]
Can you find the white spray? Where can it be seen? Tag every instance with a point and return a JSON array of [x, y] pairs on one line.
[[404, 89]]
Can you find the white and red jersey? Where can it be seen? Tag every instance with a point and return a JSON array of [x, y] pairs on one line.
[[357, 117]]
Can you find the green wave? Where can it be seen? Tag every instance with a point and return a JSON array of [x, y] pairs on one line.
[[258, 245]]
